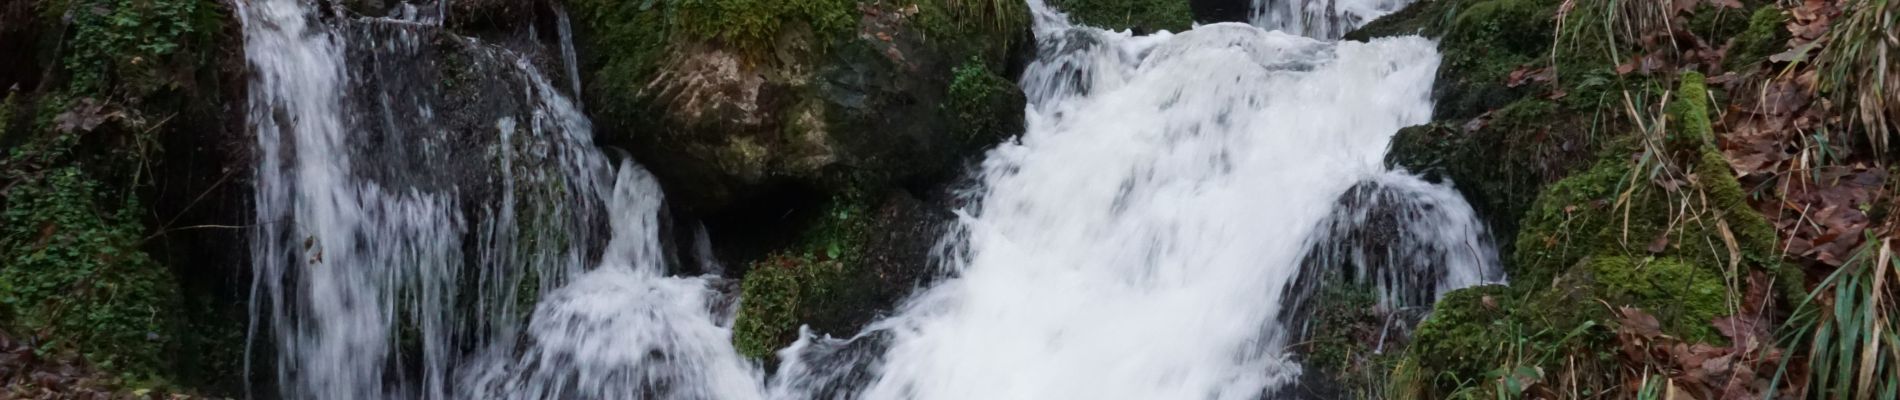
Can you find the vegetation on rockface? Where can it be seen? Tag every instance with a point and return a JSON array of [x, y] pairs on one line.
[[135, 45], [74, 273], [1349, 340], [1139, 15], [858, 259], [976, 94], [82, 149], [1666, 230], [812, 283], [1644, 253]]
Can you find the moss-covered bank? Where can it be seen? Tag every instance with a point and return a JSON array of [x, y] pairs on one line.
[[1603, 177]]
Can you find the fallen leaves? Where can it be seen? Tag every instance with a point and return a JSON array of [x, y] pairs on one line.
[[85, 115], [1743, 369]]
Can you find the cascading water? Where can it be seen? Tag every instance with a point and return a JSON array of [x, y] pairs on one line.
[[396, 237], [1139, 241], [1325, 19]]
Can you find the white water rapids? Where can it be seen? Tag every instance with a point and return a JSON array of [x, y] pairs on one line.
[[1135, 243]]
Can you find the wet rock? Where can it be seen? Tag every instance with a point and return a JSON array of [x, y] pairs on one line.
[[1217, 11], [1373, 269]]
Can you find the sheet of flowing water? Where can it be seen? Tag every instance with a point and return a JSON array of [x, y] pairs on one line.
[[368, 250]]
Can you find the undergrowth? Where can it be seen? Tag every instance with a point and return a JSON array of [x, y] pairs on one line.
[[1846, 331], [134, 45], [1858, 67], [73, 270]]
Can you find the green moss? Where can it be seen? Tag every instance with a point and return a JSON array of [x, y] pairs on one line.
[[628, 42], [1477, 336], [1483, 45], [73, 271], [976, 95], [1765, 36], [1170, 15], [1684, 297], [755, 25], [1620, 233], [1340, 337], [993, 25], [819, 281], [1462, 330]]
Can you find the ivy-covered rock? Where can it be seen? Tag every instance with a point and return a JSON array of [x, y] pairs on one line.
[[731, 100]]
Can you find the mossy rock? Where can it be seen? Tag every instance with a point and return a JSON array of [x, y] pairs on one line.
[[852, 265], [1684, 297], [1462, 329], [1477, 336], [1765, 35], [1338, 336], [1138, 15], [1663, 232], [1614, 209], [732, 101]]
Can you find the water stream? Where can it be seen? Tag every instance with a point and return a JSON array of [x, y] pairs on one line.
[[1136, 242]]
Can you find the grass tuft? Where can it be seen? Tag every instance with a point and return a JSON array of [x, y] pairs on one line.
[[1857, 67], [1845, 329]]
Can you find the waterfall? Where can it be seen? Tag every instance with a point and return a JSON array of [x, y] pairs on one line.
[[1324, 19], [1138, 240], [1146, 238], [398, 233]]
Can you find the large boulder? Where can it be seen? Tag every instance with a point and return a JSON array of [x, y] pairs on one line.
[[754, 101]]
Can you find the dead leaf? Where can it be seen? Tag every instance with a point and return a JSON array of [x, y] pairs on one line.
[[83, 116], [1640, 322], [1660, 244]]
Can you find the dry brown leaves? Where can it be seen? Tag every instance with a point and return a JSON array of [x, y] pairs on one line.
[[1741, 370], [1665, 48], [882, 24], [1783, 140], [25, 374]]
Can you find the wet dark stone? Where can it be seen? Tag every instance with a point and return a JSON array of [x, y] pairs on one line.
[[1216, 11]]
